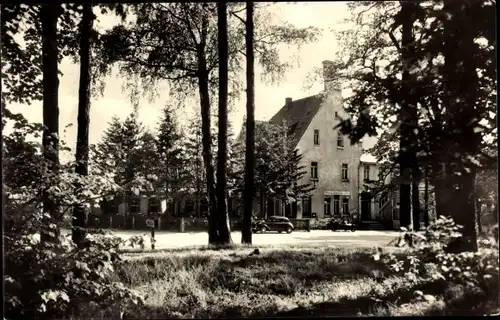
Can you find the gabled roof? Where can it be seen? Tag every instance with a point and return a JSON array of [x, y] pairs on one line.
[[297, 115]]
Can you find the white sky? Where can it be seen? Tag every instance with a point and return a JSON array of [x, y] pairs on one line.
[[268, 98]]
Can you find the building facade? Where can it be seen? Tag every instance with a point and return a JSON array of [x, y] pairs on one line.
[[332, 161], [342, 174]]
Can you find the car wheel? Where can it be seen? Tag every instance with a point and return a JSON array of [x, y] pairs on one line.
[[289, 230], [353, 229], [263, 229]]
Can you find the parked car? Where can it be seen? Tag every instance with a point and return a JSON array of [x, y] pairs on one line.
[[339, 224], [273, 223]]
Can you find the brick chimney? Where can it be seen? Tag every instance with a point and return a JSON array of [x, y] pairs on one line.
[[288, 100], [328, 77]]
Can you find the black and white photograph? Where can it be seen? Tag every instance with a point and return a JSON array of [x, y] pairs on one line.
[[251, 159]]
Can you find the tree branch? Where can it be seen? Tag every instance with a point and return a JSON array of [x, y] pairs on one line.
[[239, 18], [394, 40], [359, 18], [238, 11], [183, 20], [188, 20], [152, 65]]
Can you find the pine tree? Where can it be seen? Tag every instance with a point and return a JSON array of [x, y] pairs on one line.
[[147, 161], [277, 165], [117, 152], [234, 170], [172, 172], [194, 162], [289, 187]]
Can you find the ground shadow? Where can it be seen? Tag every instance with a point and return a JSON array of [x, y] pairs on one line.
[[344, 307], [359, 306]]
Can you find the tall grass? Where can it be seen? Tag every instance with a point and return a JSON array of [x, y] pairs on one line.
[[284, 282]]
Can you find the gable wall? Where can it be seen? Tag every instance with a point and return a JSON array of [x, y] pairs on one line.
[[328, 156]]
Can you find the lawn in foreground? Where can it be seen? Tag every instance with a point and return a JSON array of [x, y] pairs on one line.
[[295, 281]]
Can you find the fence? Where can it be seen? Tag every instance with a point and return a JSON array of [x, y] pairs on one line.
[[180, 224]]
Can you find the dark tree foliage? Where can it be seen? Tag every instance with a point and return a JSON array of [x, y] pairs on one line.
[[455, 118]]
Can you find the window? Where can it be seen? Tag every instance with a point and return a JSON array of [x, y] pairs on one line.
[[340, 140], [367, 172], [336, 114], [154, 205], [336, 205], [328, 206], [314, 170], [306, 207], [135, 205], [345, 173], [345, 205], [316, 137]]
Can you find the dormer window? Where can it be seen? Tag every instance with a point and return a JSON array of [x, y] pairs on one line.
[[316, 137]]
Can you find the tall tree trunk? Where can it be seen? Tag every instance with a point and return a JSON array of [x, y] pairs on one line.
[[198, 181], [406, 143], [246, 233], [493, 209], [441, 192], [460, 99], [415, 197], [224, 228], [426, 197], [206, 140], [478, 215], [82, 144], [49, 14]]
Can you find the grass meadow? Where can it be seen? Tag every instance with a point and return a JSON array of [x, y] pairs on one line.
[[282, 281]]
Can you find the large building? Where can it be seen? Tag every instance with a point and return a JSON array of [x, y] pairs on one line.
[[340, 172], [333, 162]]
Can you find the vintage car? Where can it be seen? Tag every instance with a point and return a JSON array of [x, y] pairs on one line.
[[341, 224], [272, 223]]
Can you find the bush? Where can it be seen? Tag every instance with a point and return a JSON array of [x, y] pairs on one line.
[[53, 278], [429, 261], [47, 280]]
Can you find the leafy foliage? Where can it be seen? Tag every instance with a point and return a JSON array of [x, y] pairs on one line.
[[453, 124], [22, 45], [174, 41], [431, 259], [53, 279]]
